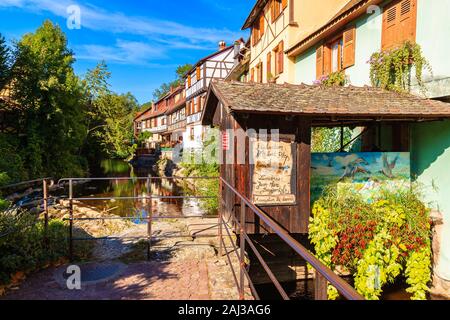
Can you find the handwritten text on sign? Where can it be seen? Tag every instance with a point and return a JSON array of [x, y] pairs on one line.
[[273, 172]]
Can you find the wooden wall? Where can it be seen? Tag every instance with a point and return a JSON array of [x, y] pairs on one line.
[[293, 218]]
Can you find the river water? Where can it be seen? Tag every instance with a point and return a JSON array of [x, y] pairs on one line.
[[136, 188]]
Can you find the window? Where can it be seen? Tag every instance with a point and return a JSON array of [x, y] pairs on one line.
[[399, 23], [192, 134], [279, 58], [199, 104], [337, 54], [259, 72], [277, 7], [198, 74], [258, 29]]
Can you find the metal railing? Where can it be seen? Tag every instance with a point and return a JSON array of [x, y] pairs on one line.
[[324, 275], [45, 199], [148, 198]]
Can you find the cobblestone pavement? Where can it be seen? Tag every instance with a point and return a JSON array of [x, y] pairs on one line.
[[181, 269]]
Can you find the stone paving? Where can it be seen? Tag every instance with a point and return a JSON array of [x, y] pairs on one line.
[[182, 268]]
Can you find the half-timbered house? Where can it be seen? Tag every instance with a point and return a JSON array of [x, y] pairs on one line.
[[215, 66]]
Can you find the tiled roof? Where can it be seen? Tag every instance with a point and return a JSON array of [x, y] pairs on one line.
[[323, 101]]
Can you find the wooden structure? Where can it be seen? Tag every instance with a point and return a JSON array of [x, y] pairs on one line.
[[294, 110]]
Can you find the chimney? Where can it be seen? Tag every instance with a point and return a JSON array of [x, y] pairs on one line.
[[222, 45]]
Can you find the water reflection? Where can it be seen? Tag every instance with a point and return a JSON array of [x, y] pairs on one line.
[[137, 187]]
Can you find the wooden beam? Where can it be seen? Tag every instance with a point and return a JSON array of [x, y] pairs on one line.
[[300, 221]]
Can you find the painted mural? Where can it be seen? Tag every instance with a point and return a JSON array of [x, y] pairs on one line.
[[363, 172]]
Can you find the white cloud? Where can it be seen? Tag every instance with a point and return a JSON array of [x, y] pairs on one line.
[[128, 52], [95, 18]]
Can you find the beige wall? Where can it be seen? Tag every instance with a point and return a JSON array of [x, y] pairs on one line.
[[308, 15]]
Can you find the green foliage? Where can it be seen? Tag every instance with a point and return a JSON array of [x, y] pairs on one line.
[[46, 86], [109, 116], [329, 139], [5, 62], [144, 136], [337, 78], [116, 134], [377, 242], [392, 70], [165, 87], [24, 248], [11, 163], [204, 164]]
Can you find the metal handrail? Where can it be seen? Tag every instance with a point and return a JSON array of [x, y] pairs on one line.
[[24, 183], [149, 197], [323, 271]]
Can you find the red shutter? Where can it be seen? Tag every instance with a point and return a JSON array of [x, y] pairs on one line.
[[272, 11], [349, 38], [319, 62], [261, 25], [198, 73]]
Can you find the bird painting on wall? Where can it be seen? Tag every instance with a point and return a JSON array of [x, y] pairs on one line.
[[388, 166]]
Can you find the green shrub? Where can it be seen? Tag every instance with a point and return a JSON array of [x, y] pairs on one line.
[[24, 247]]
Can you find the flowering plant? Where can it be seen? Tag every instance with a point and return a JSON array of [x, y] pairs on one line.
[[375, 242]]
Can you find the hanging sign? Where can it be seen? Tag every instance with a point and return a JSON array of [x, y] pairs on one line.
[[225, 141], [273, 179]]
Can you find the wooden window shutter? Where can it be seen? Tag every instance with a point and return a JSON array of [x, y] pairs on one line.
[[269, 65], [319, 61], [399, 23], [284, 4], [407, 19], [272, 11], [261, 26], [198, 73], [281, 57], [189, 80], [349, 38], [252, 75], [199, 104]]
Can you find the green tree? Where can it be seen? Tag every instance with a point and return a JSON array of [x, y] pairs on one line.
[[46, 86], [164, 88], [109, 116], [5, 62], [116, 134]]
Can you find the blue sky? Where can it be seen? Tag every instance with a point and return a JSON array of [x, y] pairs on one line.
[[142, 41]]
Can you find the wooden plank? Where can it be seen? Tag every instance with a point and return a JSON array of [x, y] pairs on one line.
[[300, 221], [320, 287]]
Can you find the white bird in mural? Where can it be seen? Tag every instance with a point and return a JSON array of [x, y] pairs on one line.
[[388, 166]]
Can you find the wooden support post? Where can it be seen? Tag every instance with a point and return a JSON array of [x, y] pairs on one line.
[[70, 220], [242, 253], [300, 222], [45, 199], [149, 219], [220, 216], [320, 287]]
